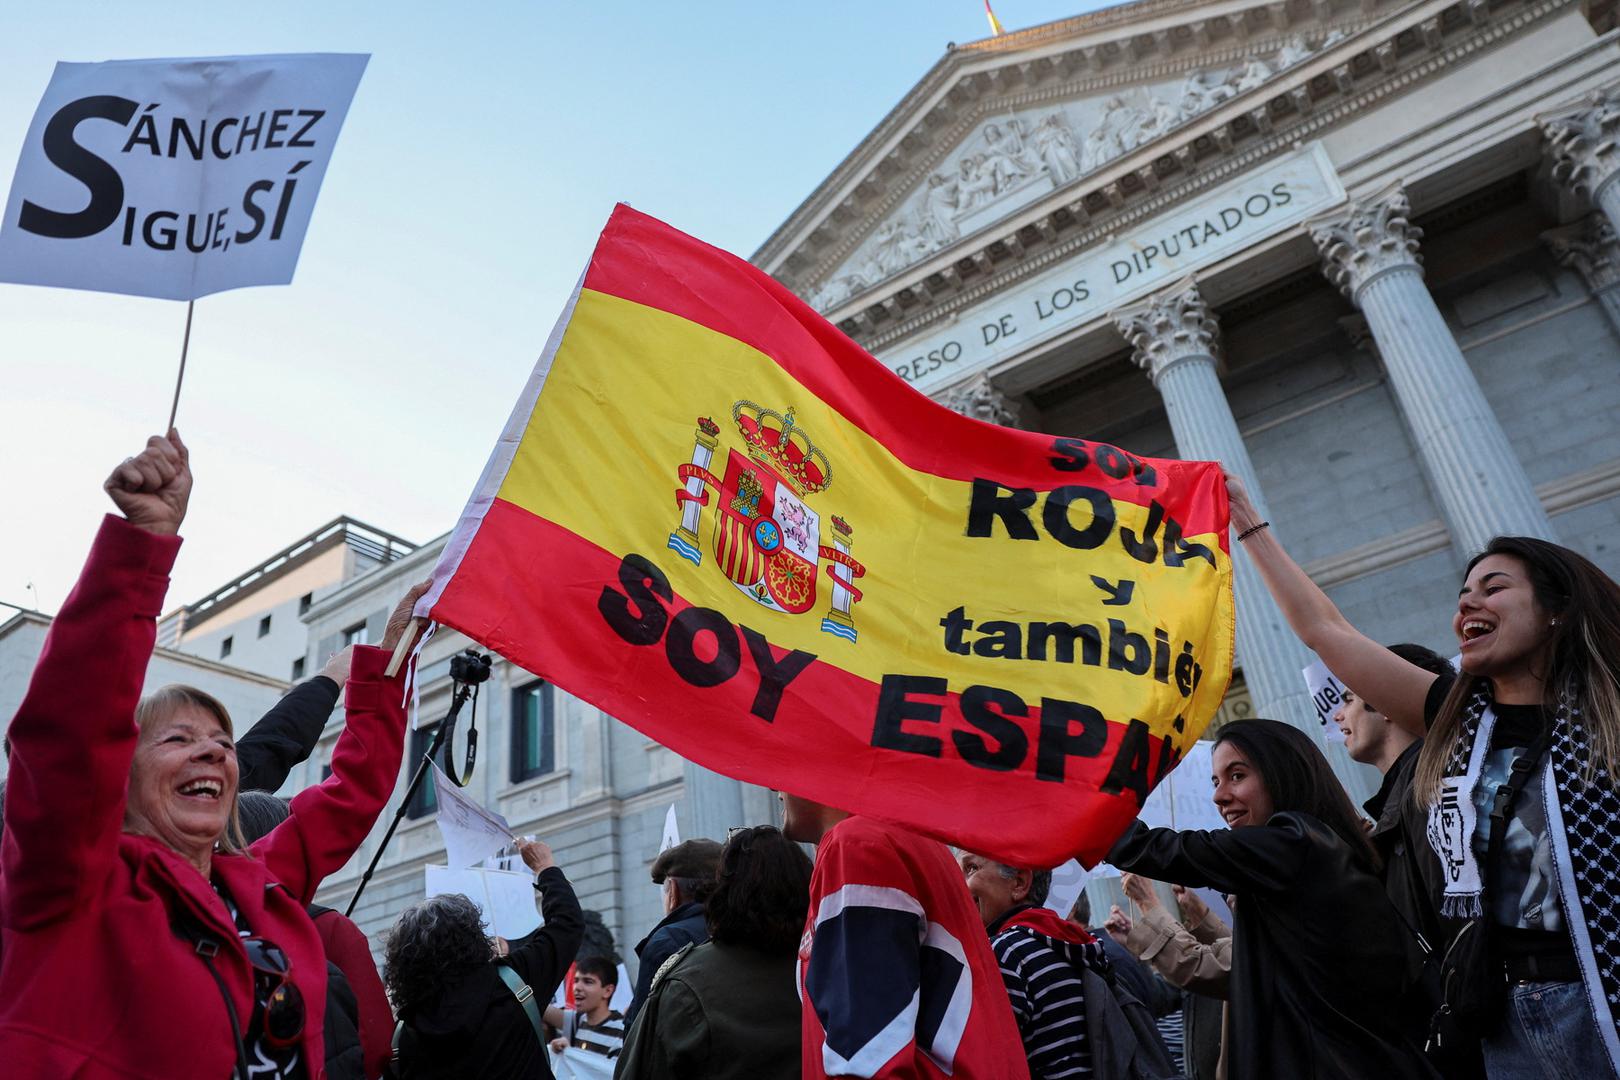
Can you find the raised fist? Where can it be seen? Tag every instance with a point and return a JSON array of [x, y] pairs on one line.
[[152, 489]]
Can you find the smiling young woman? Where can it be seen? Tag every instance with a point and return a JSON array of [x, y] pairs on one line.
[[1319, 956], [1528, 728]]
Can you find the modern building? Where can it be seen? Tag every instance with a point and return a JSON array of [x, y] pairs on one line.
[[246, 694], [255, 622]]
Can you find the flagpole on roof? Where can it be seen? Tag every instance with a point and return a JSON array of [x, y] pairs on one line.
[[995, 23]]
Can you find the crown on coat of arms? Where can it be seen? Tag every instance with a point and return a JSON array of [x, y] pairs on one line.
[[775, 440]]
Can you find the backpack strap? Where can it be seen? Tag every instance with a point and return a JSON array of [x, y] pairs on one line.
[[525, 996]]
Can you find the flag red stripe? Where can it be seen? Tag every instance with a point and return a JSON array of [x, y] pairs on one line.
[[713, 288], [820, 744]]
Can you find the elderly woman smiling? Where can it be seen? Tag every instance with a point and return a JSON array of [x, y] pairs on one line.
[[140, 938]]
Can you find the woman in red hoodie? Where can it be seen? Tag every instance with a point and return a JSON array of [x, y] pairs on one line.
[[140, 940]]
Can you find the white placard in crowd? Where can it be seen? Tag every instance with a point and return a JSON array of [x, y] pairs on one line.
[[471, 833], [1327, 694], [576, 1064], [1068, 882], [174, 178], [507, 899], [672, 831]]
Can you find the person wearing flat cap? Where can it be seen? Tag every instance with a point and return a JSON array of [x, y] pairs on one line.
[[687, 872]]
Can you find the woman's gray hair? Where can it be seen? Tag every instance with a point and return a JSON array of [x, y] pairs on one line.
[[437, 937]]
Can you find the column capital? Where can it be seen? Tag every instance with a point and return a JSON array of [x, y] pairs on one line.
[[1173, 326], [982, 399], [1369, 238], [1590, 247], [1582, 143]]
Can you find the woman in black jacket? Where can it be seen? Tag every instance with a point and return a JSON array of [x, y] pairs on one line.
[[1318, 956], [458, 1016]]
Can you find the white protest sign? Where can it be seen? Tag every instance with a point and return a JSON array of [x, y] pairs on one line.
[[505, 898], [672, 832], [471, 833], [576, 1064], [174, 178], [1327, 694], [1068, 882]]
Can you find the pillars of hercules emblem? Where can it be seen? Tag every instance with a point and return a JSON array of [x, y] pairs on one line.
[[684, 540], [1371, 253], [1176, 340]]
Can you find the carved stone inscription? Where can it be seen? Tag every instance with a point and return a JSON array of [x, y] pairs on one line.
[[1153, 254]]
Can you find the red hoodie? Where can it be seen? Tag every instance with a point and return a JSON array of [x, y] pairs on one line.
[[895, 971], [94, 982]]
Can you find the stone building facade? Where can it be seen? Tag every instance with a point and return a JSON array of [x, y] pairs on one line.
[[1361, 253]]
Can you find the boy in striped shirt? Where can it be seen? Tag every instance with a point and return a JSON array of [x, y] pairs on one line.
[[592, 1024]]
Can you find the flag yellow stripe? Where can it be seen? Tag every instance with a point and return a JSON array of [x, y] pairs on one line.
[[603, 464]]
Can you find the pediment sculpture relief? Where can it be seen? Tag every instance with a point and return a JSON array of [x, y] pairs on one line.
[[1013, 160]]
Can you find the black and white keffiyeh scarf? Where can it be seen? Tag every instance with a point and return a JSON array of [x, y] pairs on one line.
[[1583, 826]]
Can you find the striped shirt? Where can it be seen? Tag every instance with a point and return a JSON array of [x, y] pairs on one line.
[[606, 1038], [1048, 999]]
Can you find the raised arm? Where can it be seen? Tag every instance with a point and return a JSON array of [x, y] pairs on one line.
[[286, 735], [1256, 858], [328, 822], [1361, 663], [545, 956], [74, 734]]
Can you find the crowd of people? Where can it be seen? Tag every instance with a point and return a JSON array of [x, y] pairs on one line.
[[156, 900]]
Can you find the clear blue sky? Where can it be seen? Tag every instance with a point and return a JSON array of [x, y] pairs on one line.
[[485, 148]]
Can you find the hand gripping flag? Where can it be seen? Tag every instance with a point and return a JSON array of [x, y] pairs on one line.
[[715, 517]]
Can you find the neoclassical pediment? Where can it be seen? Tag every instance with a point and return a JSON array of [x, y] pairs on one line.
[[1014, 156]]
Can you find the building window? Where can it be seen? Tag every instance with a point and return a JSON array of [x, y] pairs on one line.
[[532, 750], [264, 626], [326, 772], [298, 669], [424, 801], [225, 648], [355, 635], [304, 602]]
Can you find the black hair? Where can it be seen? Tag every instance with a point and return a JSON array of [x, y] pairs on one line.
[[606, 973], [440, 937], [1298, 778], [763, 892], [1081, 911]]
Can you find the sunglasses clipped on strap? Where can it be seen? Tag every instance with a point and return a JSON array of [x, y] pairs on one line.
[[282, 1000]]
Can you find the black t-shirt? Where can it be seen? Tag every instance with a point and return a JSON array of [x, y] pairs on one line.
[[1521, 891]]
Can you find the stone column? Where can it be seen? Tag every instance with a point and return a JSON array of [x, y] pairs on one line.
[[1590, 248], [1371, 252], [1584, 145], [982, 399], [1176, 341]]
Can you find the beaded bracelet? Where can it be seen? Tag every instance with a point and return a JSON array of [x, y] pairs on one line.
[[1246, 533]]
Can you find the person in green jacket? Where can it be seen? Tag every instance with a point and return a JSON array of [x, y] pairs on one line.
[[727, 1009]]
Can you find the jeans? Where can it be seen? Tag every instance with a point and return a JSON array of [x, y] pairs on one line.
[[1547, 1033]]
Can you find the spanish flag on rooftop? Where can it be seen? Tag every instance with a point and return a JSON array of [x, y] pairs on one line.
[[714, 516], [995, 23]]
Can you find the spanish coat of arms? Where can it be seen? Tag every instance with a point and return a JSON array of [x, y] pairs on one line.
[[766, 538]]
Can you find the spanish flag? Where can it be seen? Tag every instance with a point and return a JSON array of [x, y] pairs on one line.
[[995, 23], [716, 518]]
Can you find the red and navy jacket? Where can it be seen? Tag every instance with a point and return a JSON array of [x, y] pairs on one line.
[[896, 975]]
